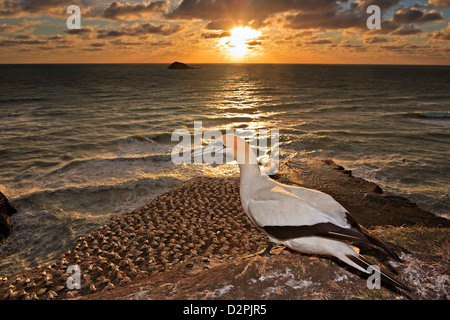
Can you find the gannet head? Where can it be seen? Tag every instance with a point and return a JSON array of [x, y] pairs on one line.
[[232, 147]]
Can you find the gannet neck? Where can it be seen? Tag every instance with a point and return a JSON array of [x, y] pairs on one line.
[[248, 172], [245, 157]]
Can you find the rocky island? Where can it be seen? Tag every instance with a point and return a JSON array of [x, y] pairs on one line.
[[179, 66]]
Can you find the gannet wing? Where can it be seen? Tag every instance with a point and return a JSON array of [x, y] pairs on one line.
[[330, 206], [320, 200], [291, 217]]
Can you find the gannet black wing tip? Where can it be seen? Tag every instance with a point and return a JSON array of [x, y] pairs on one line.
[[375, 240]]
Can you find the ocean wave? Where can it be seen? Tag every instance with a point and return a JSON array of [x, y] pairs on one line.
[[21, 100], [428, 115], [49, 220], [115, 162], [345, 107], [297, 106], [137, 137], [163, 138], [155, 184]]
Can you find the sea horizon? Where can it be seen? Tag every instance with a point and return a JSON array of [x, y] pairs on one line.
[[225, 63]]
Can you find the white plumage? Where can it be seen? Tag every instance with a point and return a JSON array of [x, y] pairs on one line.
[[302, 219]]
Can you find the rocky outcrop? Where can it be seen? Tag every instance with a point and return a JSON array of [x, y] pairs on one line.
[[179, 65], [289, 275], [365, 200], [6, 210]]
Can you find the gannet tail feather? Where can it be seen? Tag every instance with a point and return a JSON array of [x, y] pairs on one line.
[[386, 277], [355, 234], [377, 241]]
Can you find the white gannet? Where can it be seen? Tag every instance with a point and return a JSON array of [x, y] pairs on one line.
[[302, 219]]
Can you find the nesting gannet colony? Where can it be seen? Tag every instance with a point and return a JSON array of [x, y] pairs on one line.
[[202, 218]]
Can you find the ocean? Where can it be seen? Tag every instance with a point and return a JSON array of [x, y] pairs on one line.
[[81, 143]]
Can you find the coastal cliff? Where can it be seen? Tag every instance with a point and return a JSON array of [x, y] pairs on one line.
[[191, 243], [6, 210]]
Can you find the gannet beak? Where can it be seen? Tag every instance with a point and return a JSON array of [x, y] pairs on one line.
[[197, 152], [218, 147]]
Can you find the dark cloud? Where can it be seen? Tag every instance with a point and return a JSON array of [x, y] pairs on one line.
[[387, 26], [97, 44], [405, 31], [319, 41], [9, 28], [17, 8], [407, 15], [115, 11], [220, 24], [440, 35], [333, 19], [109, 34], [383, 4], [402, 47], [16, 42], [254, 43], [120, 42], [23, 37], [215, 35], [57, 37], [224, 14], [346, 44], [128, 11], [150, 28], [301, 34], [9, 8], [92, 49], [372, 40], [81, 31], [140, 30], [355, 16], [162, 43]]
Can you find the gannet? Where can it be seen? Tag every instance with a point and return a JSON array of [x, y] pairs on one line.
[[302, 219]]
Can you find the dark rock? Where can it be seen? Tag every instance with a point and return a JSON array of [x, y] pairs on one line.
[[364, 200], [6, 210], [347, 172], [377, 189], [337, 167], [179, 65]]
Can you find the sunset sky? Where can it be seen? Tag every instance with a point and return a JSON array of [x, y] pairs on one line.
[[221, 31]]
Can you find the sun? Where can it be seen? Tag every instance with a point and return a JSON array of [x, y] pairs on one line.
[[236, 44]]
